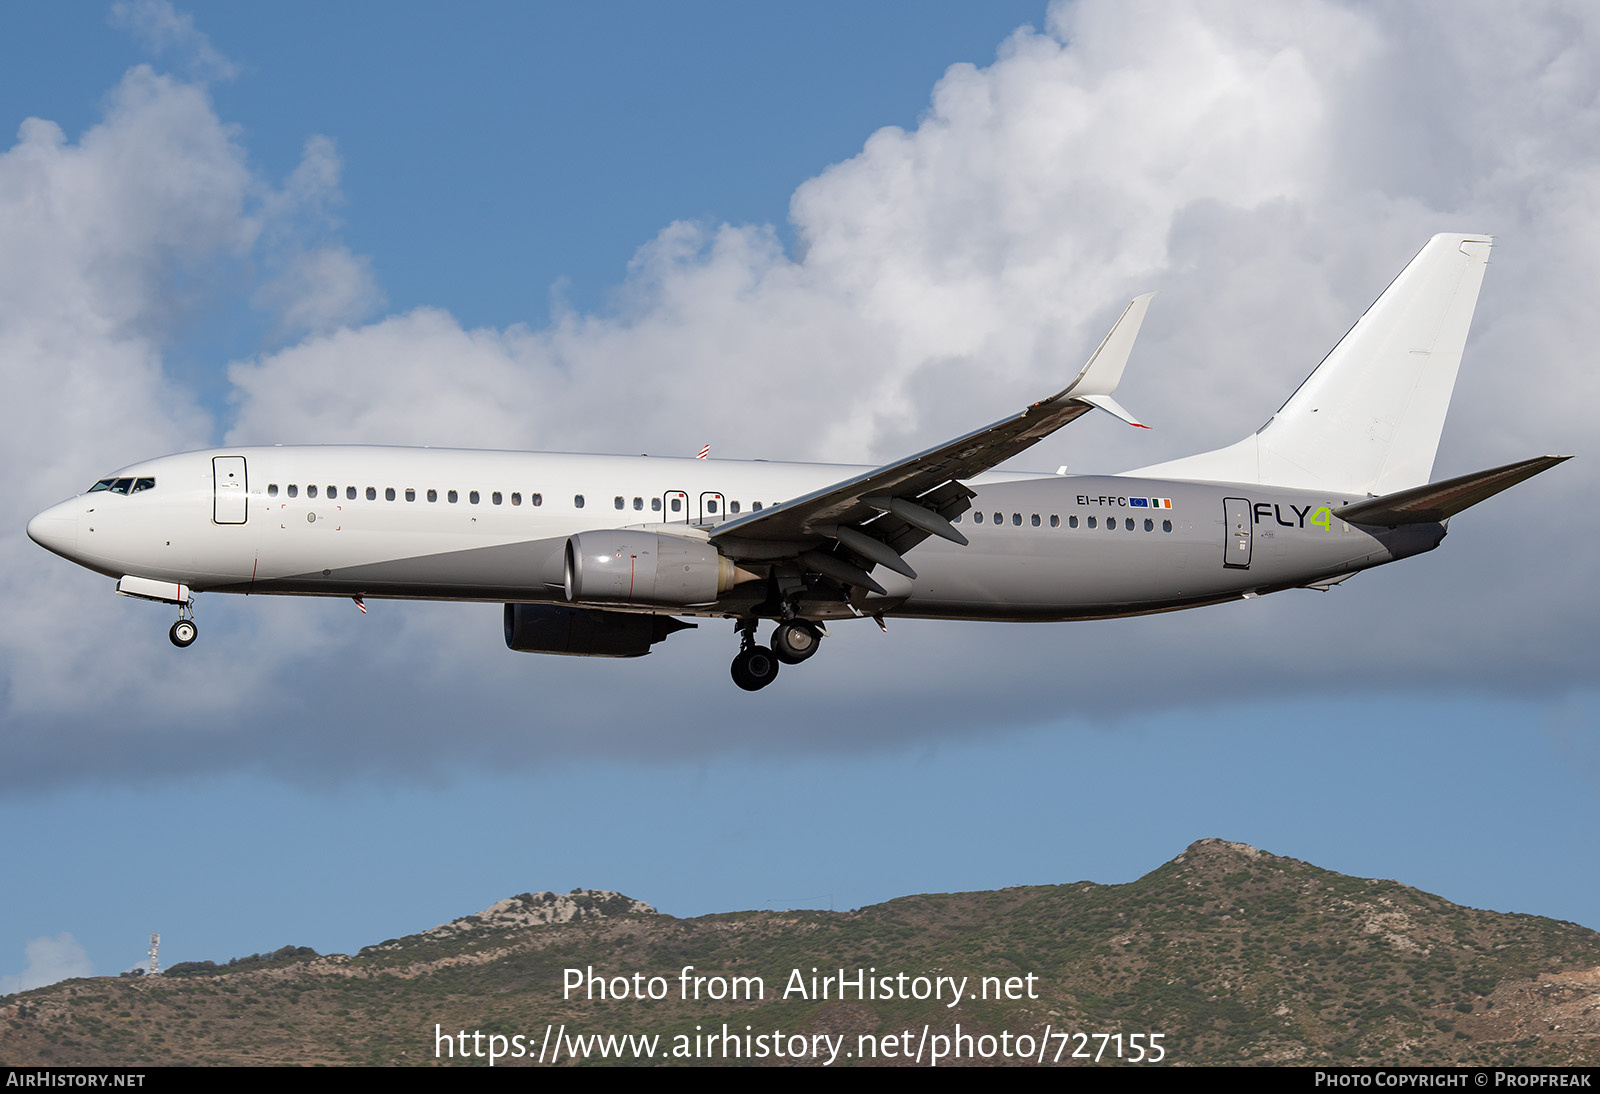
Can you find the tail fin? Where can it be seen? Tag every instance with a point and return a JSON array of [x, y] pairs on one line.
[[1368, 419]]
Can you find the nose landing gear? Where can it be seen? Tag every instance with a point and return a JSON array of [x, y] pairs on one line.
[[184, 631]]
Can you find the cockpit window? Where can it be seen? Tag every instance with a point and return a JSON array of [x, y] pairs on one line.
[[123, 486]]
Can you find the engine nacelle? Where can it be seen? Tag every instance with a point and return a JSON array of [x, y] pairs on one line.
[[617, 566], [581, 632]]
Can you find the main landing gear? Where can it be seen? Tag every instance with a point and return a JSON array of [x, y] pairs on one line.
[[795, 641], [757, 666]]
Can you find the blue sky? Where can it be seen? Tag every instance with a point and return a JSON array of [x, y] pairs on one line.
[[491, 225]]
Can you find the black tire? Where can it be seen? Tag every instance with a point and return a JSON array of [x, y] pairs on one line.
[[794, 642], [183, 633], [755, 668]]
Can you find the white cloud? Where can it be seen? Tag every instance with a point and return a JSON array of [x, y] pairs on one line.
[[1268, 169], [322, 290], [160, 28], [108, 245], [47, 960]]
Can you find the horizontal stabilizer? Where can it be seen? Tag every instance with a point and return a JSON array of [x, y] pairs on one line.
[[1441, 500]]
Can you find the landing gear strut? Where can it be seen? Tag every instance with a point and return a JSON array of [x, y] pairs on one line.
[[755, 667], [184, 632]]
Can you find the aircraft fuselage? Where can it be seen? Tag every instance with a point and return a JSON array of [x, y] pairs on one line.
[[493, 526]]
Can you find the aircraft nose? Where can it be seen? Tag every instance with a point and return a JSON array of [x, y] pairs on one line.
[[56, 529]]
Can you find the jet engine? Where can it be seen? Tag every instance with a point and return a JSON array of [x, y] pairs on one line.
[[646, 568], [581, 632]]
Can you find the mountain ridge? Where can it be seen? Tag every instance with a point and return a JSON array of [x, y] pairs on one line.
[[1232, 954]]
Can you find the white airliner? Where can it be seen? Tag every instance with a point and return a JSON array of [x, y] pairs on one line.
[[599, 555]]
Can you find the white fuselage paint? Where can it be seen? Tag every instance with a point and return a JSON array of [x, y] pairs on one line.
[[188, 529]]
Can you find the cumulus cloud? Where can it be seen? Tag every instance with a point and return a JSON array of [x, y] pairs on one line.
[[1269, 171], [47, 960], [162, 29], [108, 246]]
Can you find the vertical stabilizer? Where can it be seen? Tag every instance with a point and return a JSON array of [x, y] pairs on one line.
[[1368, 419]]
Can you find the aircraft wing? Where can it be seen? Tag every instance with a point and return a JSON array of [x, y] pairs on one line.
[[844, 529]]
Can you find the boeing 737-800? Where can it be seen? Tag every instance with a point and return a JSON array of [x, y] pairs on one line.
[[601, 555]]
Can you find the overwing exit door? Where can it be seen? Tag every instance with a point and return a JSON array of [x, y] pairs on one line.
[[676, 507]]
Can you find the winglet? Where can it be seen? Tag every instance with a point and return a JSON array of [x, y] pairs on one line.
[[1101, 375]]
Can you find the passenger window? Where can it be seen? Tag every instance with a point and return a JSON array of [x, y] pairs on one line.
[[677, 505], [333, 492], [998, 519], [620, 503], [1072, 521], [1035, 520], [577, 501], [978, 517], [495, 497], [272, 489], [1091, 522], [1166, 526], [433, 495], [755, 507], [372, 493], [638, 503], [711, 506], [294, 491], [472, 498], [349, 493], [535, 499], [453, 497], [1016, 518], [411, 493], [1149, 525], [1128, 524], [1055, 520], [311, 491], [388, 493], [516, 498], [655, 505]]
